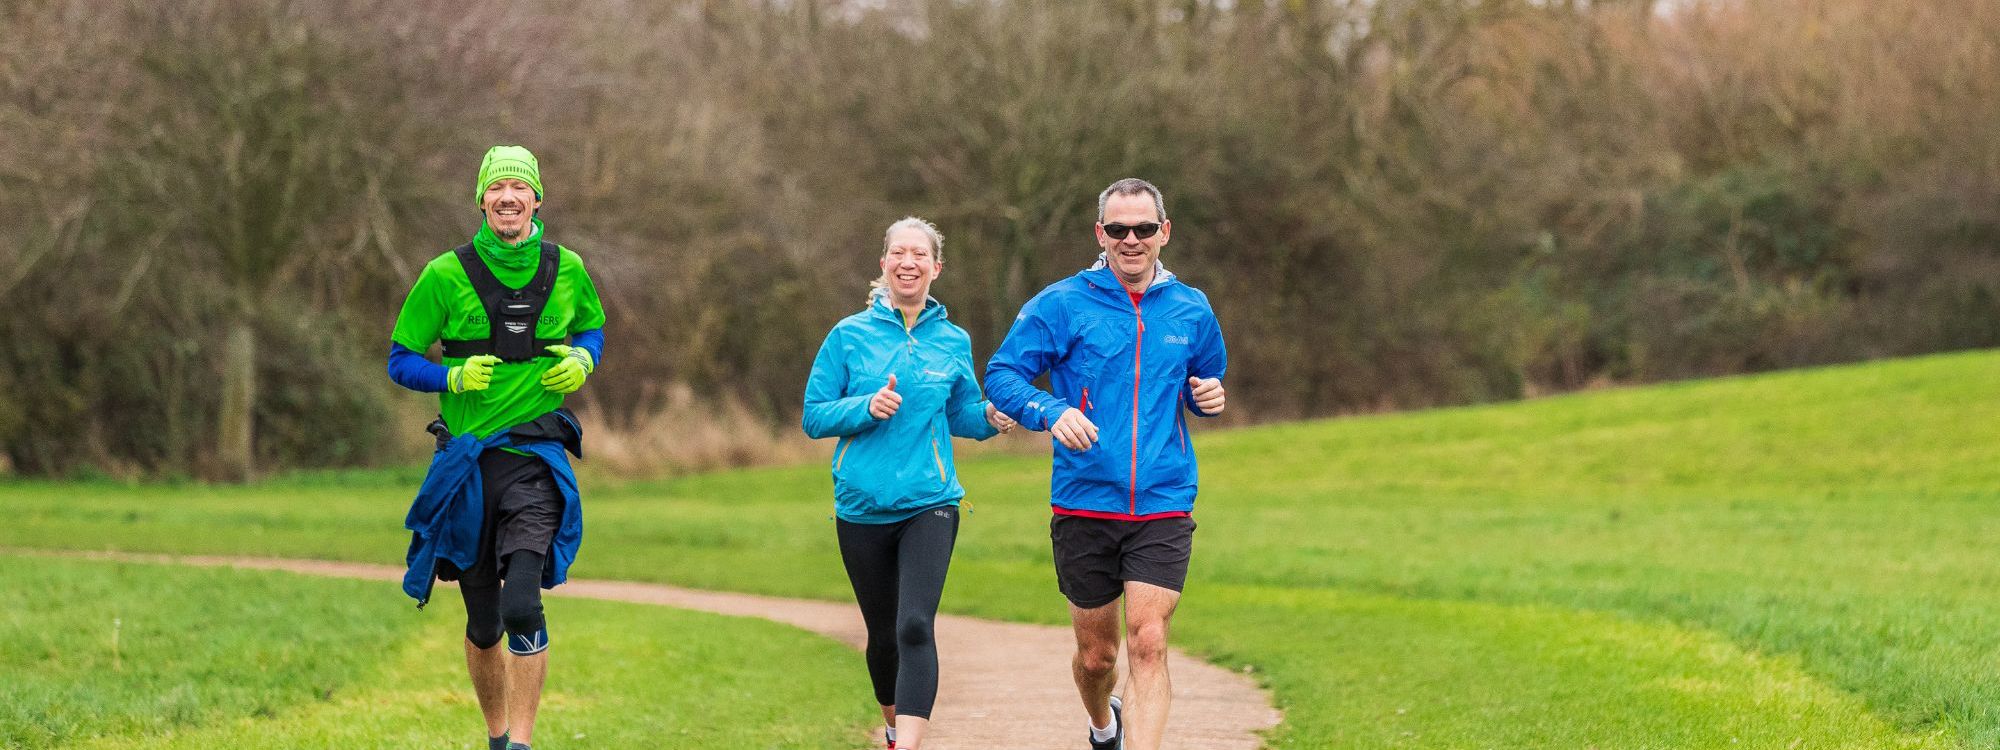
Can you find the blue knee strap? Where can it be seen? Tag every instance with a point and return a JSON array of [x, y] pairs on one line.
[[528, 644]]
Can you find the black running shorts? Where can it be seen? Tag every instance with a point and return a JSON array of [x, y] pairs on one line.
[[523, 509], [1096, 556]]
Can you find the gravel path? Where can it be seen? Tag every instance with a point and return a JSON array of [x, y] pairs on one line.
[[1002, 685]]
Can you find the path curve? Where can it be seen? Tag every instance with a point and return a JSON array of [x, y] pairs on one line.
[[1001, 684]]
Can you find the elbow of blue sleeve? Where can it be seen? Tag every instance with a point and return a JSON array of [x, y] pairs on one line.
[[997, 393], [410, 370]]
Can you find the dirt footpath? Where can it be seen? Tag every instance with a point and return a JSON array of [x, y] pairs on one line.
[[1001, 685]]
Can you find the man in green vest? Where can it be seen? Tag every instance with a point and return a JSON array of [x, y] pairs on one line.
[[499, 512]]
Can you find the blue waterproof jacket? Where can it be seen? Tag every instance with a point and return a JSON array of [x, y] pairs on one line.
[[887, 470], [1126, 367], [451, 504]]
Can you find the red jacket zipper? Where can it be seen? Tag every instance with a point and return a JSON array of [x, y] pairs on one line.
[[1138, 346]]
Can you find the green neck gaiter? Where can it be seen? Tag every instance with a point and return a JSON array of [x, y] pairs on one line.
[[510, 256]]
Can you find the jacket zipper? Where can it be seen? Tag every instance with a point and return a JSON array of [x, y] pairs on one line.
[[936, 457], [842, 453], [1086, 398], [1138, 347], [963, 502], [1179, 436]]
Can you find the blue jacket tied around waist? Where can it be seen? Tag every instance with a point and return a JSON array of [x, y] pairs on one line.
[[451, 505]]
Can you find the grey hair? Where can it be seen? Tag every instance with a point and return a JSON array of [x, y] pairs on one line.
[[1132, 186], [908, 222]]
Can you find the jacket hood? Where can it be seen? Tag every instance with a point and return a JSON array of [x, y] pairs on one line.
[[1160, 273], [878, 304]]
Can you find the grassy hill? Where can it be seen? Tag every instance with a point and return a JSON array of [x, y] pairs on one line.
[[1800, 559]]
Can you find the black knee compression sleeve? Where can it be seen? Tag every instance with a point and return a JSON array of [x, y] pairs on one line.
[[521, 604], [482, 614]]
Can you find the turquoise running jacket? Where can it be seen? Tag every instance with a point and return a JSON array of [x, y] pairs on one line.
[[888, 470]]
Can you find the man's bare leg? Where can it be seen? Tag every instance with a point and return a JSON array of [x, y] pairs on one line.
[[1095, 666], [524, 693], [1148, 610], [488, 667]]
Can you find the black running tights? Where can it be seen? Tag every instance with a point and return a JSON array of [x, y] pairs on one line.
[[898, 574]]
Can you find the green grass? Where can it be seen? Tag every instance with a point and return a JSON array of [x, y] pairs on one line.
[[1799, 559], [208, 658]]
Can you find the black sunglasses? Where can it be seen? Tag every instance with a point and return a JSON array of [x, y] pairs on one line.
[[1118, 231]]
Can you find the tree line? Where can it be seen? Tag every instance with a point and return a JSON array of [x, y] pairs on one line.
[[219, 204]]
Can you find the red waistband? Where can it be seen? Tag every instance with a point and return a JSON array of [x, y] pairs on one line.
[[1062, 511]]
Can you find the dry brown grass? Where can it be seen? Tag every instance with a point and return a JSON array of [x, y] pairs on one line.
[[693, 434], [690, 434]]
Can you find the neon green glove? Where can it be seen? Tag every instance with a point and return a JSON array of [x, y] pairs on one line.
[[474, 375], [569, 372]]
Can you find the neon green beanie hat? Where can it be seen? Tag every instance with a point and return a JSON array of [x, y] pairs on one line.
[[503, 162]]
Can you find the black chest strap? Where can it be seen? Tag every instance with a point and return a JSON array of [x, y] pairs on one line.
[[512, 315]]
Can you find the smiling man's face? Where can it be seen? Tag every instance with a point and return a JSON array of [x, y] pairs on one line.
[[509, 205], [1132, 258]]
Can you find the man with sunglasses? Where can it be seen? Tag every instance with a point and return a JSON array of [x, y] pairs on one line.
[[1129, 350]]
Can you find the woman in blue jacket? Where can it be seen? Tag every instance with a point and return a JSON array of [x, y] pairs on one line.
[[894, 383]]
